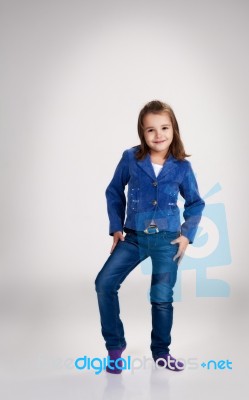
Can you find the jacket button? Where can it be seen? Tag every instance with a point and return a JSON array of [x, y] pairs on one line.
[[154, 183], [154, 202]]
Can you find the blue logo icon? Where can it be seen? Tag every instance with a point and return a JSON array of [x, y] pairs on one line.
[[210, 249]]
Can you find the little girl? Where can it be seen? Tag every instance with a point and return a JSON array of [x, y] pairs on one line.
[[156, 171]]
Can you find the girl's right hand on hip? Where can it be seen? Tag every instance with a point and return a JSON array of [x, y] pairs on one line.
[[116, 237]]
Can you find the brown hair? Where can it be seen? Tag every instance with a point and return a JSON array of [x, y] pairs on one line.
[[176, 147]]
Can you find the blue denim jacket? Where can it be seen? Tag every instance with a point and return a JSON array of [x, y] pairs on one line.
[[150, 197]]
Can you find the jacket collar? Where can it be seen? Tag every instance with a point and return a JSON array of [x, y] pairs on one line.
[[147, 166]]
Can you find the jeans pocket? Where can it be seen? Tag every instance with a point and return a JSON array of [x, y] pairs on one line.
[[130, 236], [167, 235]]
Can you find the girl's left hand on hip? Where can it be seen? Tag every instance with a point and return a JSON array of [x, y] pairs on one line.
[[183, 243]]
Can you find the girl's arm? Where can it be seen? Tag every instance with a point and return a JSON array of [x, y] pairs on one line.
[[115, 196], [193, 206]]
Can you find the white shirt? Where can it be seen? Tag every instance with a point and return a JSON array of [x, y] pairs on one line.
[[157, 168]]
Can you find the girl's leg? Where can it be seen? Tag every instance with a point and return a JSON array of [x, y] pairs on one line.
[[164, 275], [124, 258]]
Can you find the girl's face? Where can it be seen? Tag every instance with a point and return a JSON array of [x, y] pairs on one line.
[[158, 132]]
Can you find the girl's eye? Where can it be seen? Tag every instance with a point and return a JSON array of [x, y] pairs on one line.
[[165, 127]]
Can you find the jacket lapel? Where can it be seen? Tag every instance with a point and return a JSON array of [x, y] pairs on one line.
[[147, 167]]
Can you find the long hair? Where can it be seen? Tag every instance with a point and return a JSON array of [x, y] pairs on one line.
[[176, 147]]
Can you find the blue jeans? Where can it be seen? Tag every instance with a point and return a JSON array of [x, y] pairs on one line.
[[127, 254]]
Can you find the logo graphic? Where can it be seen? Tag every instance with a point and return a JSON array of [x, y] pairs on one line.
[[210, 249], [99, 364], [221, 364]]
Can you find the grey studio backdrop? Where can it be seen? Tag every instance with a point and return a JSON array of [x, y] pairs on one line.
[[74, 76]]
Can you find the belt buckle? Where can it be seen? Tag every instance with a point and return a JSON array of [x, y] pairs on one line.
[[151, 229]]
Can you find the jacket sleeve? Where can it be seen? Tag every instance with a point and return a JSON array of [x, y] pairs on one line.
[[115, 196], [193, 206]]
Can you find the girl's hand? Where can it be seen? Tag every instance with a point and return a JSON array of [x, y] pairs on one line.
[[116, 237], [183, 243]]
